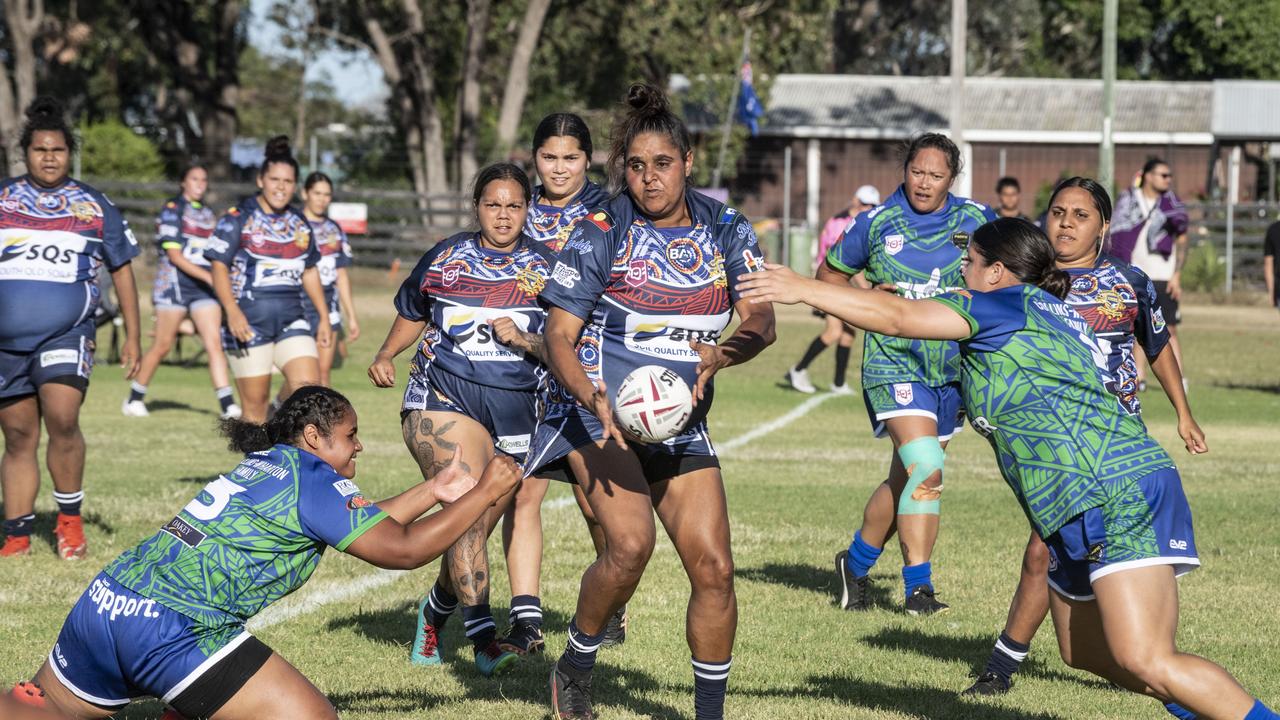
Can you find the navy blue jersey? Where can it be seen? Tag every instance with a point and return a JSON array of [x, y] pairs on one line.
[[265, 252], [459, 287], [53, 244], [552, 225], [1119, 303], [184, 225], [335, 251], [645, 293]]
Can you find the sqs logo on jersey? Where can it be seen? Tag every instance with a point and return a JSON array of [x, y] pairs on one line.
[[893, 244], [657, 336], [902, 393]]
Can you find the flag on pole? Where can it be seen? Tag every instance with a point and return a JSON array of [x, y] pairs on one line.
[[749, 108]]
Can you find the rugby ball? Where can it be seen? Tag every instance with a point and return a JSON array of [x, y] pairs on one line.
[[653, 404]]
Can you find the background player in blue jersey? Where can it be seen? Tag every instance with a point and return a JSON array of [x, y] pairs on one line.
[[335, 258], [648, 281], [262, 251], [908, 244], [183, 286], [1097, 488], [1119, 303], [167, 617], [56, 235], [467, 388]]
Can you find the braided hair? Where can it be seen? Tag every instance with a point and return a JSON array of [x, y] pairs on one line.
[[310, 405]]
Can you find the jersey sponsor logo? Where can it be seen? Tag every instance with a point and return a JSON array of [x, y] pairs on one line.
[[1053, 561], [1095, 552], [983, 426], [601, 220], [513, 444], [359, 502], [51, 201], [183, 530], [219, 492], [1157, 320], [565, 275], [578, 241], [57, 653], [893, 244], [166, 231], [960, 239], [471, 330], [279, 272], [903, 393], [346, 488], [218, 246], [59, 357], [115, 605], [85, 211], [50, 256], [637, 273], [328, 268], [684, 255], [668, 336], [754, 264], [1177, 544]]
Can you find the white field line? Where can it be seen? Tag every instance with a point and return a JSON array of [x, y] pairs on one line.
[[345, 590]]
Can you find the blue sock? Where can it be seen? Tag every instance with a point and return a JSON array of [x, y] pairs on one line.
[[225, 397], [581, 651], [526, 609], [862, 557], [20, 526], [68, 503], [710, 680], [1261, 712], [1006, 657], [480, 627], [914, 576], [440, 605], [1179, 712]]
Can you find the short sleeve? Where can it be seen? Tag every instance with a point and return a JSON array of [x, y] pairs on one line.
[[851, 253], [313, 248], [169, 227], [1150, 329], [344, 250], [412, 302], [332, 510], [581, 271], [743, 255], [225, 242], [992, 316], [119, 246]]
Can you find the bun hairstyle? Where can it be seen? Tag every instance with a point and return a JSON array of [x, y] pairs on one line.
[[563, 125], [501, 171], [935, 141], [1025, 251], [310, 405], [648, 111], [316, 177], [278, 151], [46, 113]]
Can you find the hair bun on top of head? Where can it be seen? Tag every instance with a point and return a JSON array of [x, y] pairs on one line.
[[645, 99], [278, 147], [44, 107]]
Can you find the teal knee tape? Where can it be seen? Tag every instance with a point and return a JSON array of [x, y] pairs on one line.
[[922, 458]]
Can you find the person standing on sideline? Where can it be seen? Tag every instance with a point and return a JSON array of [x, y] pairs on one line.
[[1149, 231], [1009, 198], [865, 198], [1271, 263]]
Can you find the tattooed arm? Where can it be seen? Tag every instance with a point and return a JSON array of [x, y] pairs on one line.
[[508, 333]]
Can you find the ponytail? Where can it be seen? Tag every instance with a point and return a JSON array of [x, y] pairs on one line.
[[311, 405], [1055, 282]]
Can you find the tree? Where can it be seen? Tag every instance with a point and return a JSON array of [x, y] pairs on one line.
[[465, 128], [517, 85], [111, 150], [22, 21]]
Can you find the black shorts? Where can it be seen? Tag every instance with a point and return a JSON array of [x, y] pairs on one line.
[[1168, 306]]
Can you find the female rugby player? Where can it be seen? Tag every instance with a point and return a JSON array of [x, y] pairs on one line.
[[335, 258], [910, 386], [1101, 493], [648, 280], [56, 235]]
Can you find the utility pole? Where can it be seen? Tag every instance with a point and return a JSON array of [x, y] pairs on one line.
[[959, 23], [733, 108], [1107, 149]]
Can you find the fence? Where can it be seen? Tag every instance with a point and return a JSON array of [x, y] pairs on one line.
[[1240, 250]]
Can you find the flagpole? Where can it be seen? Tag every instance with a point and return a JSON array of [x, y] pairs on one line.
[[733, 108]]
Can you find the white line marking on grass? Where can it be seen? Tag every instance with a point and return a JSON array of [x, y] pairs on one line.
[[345, 590]]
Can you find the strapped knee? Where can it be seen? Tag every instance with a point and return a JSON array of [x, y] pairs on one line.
[[923, 459]]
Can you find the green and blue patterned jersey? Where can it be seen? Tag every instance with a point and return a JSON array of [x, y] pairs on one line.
[[1034, 384], [920, 254], [249, 538]]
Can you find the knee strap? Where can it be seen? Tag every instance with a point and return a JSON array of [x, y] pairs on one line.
[[923, 458]]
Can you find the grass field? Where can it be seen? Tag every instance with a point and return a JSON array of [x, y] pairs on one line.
[[796, 494]]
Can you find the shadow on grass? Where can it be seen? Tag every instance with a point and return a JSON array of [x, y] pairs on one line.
[[199, 479], [822, 581], [163, 405], [918, 701], [1273, 388]]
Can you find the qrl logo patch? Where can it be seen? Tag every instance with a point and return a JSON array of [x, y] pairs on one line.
[[902, 393], [449, 275], [893, 244], [637, 273]]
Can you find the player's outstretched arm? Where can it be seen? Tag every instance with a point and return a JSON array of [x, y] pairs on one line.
[[1166, 369], [404, 546], [873, 310]]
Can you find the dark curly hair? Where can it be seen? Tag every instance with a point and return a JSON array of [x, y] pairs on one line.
[[648, 111], [278, 151], [46, 113], [309, 405]]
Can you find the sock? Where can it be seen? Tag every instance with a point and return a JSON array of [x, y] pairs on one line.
[[20, 527], [581, 651], [1179, 712], [914, 576], [225, 397], [1006, 656], [479, 624], [137, 391], [710, 680], [815, 349], [68, 503], [440, 605], [1261, 712], [526, 609], [842, 363], [862, 557]]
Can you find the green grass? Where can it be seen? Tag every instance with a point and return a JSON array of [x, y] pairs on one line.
[[795, 497]]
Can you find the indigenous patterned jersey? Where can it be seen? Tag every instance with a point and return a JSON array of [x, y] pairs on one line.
[[184, 225], [459, 287], [1119, 303], [645, 292], [921, 255], [335, 251], [551, 225], [265, 252], [249, 538], [1033, 381], [52, 243]]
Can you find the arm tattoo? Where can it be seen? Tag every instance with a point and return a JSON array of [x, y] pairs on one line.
[[536, 345]]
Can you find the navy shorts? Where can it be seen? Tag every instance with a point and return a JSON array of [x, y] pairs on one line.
[[176, 290], [331, 302], [942, 404], [273, 318], [508, 415], [1144, 522], [66, 359], [117, 645]]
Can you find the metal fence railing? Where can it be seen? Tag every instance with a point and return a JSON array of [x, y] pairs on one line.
[[1237, 244]]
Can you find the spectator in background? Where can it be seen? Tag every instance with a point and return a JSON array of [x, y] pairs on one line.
[[864, 198], [1271, 263], [1149, 231], [1009, 198]]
